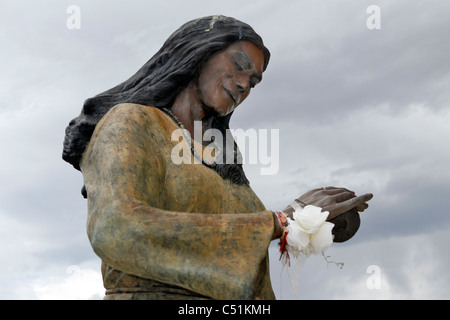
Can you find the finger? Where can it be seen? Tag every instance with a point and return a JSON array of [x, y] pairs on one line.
[[333, 191], [343, 196], [331, 188], [298, 202], [345, 206], [362, 207]]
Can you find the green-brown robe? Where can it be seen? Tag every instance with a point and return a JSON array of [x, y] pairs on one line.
[[167, 231]]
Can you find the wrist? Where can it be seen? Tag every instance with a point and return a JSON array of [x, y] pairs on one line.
[[280, 222], [282, 216]]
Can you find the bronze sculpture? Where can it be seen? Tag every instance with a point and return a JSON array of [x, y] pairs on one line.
[[167, 231]]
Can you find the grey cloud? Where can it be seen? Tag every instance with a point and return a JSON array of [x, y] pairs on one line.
[[326, 79], [336, 91]]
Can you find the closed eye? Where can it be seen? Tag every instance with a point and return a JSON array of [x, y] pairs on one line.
[[238, 66]]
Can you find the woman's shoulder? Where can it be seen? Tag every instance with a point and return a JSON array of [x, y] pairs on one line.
[[135, 115], [128, 126], [133, 111]]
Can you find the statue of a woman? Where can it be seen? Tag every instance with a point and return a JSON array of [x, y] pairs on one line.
[[182, 231]]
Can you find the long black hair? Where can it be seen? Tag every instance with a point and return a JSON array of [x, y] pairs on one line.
[[159, 81]]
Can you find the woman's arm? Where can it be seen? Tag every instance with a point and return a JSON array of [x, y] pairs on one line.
[[217, 255]]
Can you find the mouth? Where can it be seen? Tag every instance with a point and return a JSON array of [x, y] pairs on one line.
[[231, 95]]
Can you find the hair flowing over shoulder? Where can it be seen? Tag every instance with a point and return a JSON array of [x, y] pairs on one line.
[[159, 81]]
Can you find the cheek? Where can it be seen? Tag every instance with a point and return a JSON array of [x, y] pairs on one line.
[[208, 91], [211, 89]]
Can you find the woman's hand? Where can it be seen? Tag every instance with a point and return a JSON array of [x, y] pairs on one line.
[[343, 207], [334, 200]]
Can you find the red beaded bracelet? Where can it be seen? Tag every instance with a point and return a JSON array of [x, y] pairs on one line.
[[284, 224], [283, 239]]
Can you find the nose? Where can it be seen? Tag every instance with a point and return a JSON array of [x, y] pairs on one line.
[[240, 88]]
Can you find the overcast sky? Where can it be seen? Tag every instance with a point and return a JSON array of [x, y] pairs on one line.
[[364, 109]]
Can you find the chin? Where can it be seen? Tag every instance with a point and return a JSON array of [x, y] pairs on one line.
[[221, 111]]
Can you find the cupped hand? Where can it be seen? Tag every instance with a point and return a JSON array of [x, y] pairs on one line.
[[334, 200]]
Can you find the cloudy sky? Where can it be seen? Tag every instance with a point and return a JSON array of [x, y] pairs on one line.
[[359, 108]]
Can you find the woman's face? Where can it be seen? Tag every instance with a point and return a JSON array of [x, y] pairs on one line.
[[227, 77]]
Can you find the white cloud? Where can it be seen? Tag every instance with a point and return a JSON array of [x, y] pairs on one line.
[[60, 282], [78, 284], [410, 267]]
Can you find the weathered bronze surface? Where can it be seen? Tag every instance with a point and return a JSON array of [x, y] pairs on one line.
[[175, 225], [188, 231]]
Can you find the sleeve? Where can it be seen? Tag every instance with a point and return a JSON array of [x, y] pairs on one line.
[[217, 255]]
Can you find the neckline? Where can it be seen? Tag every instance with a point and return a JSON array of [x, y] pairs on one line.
[[188, 138]]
